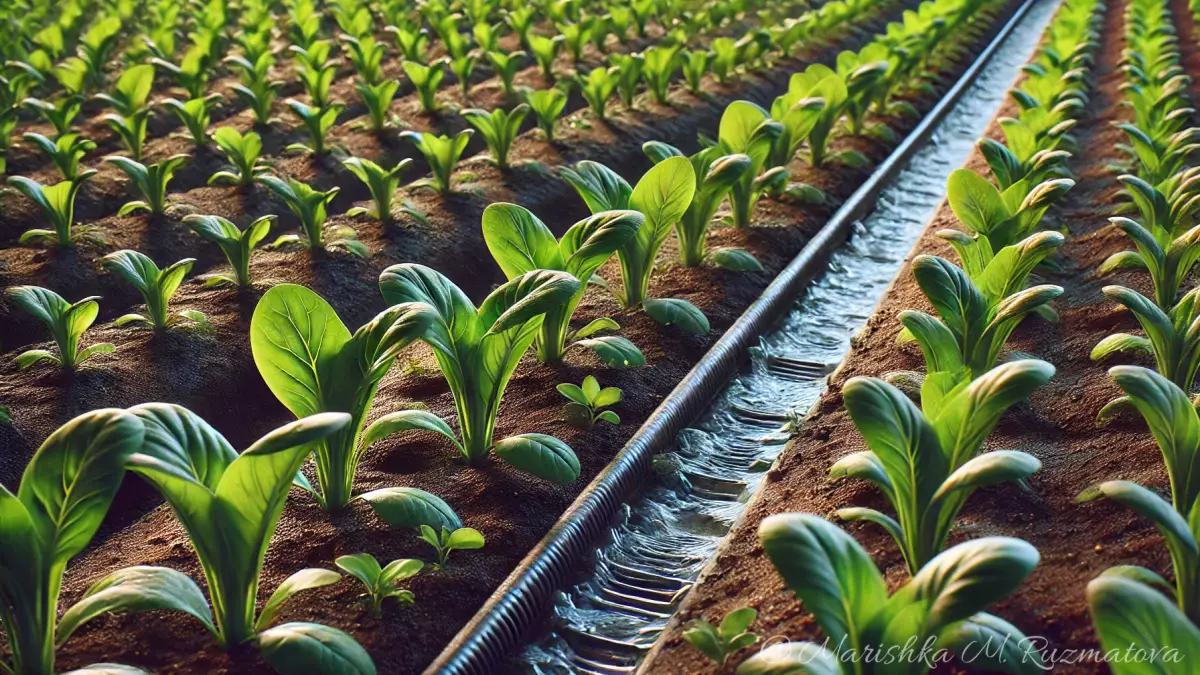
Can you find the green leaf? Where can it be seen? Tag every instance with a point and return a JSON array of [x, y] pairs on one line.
[[541, 455], [606, 397], [574, 393], [975, 201], [73, 477], [411, 508], [463, 539], [701, 635], [610, 417], [665, 192], [601, 188], [736, 622], [998, 466], [1009, 650], [406, 420], [736, 260], [1131, 615], [827, 570], [677, 312], [518, 240], [595, 326], [137, 589], [312, 577], [962, 580], [313, 649], [615, 351], [361, 566]]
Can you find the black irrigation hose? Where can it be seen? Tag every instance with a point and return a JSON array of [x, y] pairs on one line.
[[520, 602]]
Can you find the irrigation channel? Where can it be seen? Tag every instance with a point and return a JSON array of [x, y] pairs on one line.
[[670, 529]]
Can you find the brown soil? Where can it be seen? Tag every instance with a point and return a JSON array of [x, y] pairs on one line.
[[214, 375], [1076, 542]]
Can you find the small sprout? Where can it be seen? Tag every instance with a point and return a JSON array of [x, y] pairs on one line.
[[548, 105], [378, 99], [309, 205], [130, 98], [59, 112], [259, 97], [597, 88], [506, 66], [151, 182], [584, 410], [58, 203], [545, 51], [67, 321], [718, 643], [381, 182], [66, 151], [317, 121], [382, 583], [464, 538], [194, 115], [499, 129], [463, 67], [243, 152], [155, 286], [237, 245], [426, 80], [442, 153]]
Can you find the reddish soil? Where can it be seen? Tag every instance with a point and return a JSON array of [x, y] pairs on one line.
[[1076, 542], [214, 375]]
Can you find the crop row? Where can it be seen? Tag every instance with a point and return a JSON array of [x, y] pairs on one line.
[[927, 460], [229, 503]]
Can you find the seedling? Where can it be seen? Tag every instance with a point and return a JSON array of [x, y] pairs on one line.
[[66, 152], [548, 106], [499, 129], [151, 182], [317, 122], [587, 402], [237, 245], [718, 643], [309, 206], [155, 286], [67, 322], [381, 582], [462, 539], [243, 153], [478, 350], [57, 202], [130, 98], [442, 153], [342, 374], [521, 243], [381, 183]]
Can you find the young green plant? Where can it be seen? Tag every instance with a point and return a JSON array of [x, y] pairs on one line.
[[587, 402], [63, 497], [236, 244], [717, 643], [314, 364], [548, 106], [716, 174], [151, 182], [499, 129], [155, 286], [229, 504], [130, 98], [521, 243], [243, 152], [67, 322], [66, 151], [927, 460], [380, 182], [478, 350], [442, 153], [57, 202], [941, 604], [309, 207], [381, 582]]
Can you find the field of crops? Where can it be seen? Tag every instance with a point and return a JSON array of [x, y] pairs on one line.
[[323, 320]]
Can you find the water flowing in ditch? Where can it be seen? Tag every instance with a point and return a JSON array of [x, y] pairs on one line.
[[669, 530]]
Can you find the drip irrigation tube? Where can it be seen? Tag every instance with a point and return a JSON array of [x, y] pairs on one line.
[[523, 599]]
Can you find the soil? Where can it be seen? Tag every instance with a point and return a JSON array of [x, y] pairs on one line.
[[1076, 541], [213, 374]]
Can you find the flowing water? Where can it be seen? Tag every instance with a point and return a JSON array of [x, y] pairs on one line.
[[668, 531]]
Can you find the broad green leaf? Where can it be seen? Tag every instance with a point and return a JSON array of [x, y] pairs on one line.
[[292, 327], [990, 642], [679, 313], [736, 622], [1131, 615], [361, 566], [312, 577], [736, 260], [541, 455], [411, 508], [312, 649], [664, 192], [827, 570], [464, 538], [975, 201], [615, 351], [406, 420], [73, 477], [518, 240], [137, 589]]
